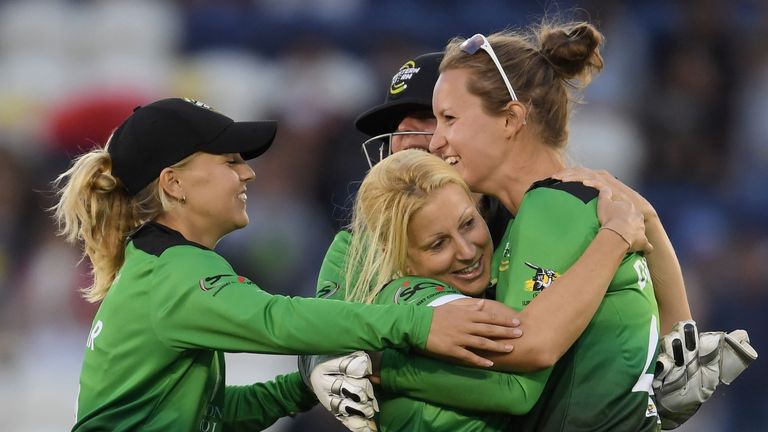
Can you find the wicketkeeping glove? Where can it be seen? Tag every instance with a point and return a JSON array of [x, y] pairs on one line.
[[690, 365], [340, 385]]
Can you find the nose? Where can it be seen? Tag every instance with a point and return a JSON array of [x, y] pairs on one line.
[[437, 142], [466, 250], [246, 173]]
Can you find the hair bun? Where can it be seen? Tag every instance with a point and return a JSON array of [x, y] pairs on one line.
[[572, 51]]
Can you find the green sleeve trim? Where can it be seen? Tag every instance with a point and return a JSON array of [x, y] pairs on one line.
[[259, 405]]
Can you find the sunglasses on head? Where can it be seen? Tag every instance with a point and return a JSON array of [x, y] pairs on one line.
[[477, 42]]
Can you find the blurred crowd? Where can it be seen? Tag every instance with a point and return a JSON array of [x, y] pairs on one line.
[[680, 113]]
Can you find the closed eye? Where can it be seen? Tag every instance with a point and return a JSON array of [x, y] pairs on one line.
[[468, 224], [437, 245]]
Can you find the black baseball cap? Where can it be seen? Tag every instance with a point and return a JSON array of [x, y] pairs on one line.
[[165, 132], [410, 90]]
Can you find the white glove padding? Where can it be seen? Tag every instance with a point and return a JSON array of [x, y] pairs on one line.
[[691, 365], [340, 385], [358, 424]]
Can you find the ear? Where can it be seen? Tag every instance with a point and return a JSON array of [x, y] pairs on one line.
[[515, 117], [171, 183]]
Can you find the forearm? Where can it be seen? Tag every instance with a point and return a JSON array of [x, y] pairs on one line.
[[442, 383], [553, 321], [257, 406], [667, 277]]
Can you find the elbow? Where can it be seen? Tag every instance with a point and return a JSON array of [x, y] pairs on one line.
[[543, 359], [527, 360], [541, 356]]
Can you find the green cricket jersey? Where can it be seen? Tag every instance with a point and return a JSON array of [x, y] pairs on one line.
[[469, 399], [603, 382], [154, 356]]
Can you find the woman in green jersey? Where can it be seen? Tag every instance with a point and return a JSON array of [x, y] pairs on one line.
[[414, 215], [502, 105], [149, 208]]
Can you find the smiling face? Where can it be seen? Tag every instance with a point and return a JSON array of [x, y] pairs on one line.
[[214, 188], [420, 121], [449, 241], [467, 137]]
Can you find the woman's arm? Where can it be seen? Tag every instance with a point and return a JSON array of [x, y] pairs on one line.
[[443, 383], [667, 277], [559, 314], [460, 387], [565, 247], [257, 406], [665, 268]]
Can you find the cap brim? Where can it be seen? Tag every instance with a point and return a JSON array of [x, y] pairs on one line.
[[386, 117], [250, 139]]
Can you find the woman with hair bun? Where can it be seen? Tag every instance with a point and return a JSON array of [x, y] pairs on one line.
[[502, 105]]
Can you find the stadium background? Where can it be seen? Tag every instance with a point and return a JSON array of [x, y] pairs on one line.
[[680, 112]]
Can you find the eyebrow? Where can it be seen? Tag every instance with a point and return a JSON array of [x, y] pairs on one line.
[[439, 235]]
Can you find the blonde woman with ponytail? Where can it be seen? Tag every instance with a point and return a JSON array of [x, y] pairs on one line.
[[149, 209]]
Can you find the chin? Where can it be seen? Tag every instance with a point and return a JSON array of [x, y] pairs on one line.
[[242, 222], [474, 289]]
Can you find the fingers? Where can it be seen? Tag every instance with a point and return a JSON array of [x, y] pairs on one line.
[[356, 389], [664, 365], [456, 330], [347, 407], [357, 365]]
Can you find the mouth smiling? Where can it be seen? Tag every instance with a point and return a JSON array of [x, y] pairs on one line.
[[452, 160], [471, 271]]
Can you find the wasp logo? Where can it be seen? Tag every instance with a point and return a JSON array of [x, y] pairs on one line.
[[406, 72], [541, 279]]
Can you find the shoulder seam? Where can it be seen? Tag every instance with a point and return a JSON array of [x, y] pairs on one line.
[[576, 189]]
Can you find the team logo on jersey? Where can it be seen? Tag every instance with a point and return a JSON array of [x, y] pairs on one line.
[[327, 289], [399, 81], [541, 279], [217, 283], [406, 291]]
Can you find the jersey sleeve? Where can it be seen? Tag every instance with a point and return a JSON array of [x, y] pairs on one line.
[[419, 291], [443, 383], [460, 387], [257, 406], [201, 303], [331, 281]]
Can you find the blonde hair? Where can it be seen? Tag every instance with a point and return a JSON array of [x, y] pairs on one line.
[[392, 192], [94, 207], [547, 65]]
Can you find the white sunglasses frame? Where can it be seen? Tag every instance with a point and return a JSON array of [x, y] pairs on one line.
[[478, 42]]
